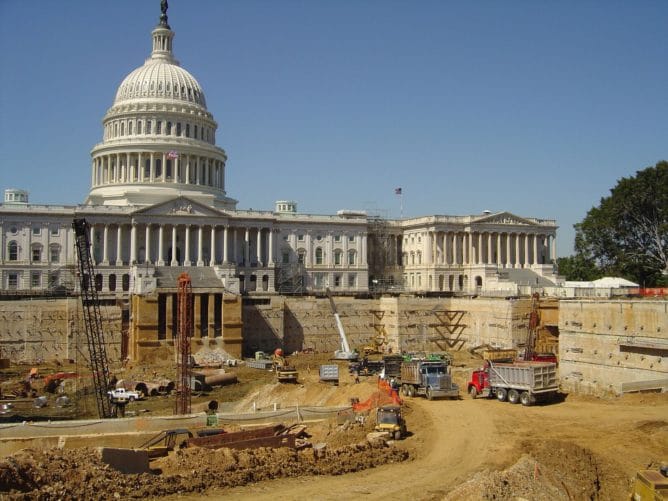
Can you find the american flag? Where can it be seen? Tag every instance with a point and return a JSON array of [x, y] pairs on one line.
[[173, 154], [397, 191]]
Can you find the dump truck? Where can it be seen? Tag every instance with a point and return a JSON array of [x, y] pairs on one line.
[[428, 378], [516, 382], [285, 373], [389, 419], [651, 485]]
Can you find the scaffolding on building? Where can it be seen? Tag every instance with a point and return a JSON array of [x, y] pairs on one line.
[[290, 278], [384, 274]]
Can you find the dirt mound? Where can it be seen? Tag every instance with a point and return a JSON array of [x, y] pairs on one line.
[[550, 470], [80, 473]]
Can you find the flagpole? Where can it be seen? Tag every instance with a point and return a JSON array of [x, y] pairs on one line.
[[401, 205]]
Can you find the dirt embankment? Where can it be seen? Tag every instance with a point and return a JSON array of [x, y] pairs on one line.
[[574, 448]]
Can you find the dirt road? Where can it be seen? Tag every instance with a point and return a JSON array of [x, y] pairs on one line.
[[453, 440]]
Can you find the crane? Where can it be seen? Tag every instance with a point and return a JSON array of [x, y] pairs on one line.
[[345, 353], [184, 298], [99, 363]]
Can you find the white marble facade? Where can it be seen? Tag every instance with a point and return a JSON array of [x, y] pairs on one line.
[[158, 199]]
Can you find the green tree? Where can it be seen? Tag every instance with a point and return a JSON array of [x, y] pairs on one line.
[[627, 234], [578, 268]]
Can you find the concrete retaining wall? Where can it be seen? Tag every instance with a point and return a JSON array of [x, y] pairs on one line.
[[47, 329], [605, 344]]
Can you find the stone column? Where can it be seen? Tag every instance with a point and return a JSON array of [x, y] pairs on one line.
[[516, 239], [553, 252], [161, 245], [247, 247], [147, 252], [133, 243], [119, 248], [212, 261], [225, 232], [105, 245], [140, 168], [535, 248], [271, 247], [187, 179], [489, 248], [93, 247], [507, 250], [174, 261], [499, 262], [480, 245], [200, 246], [258, 250], [186, 261], [151, 177], [235, 245], [455, 250]]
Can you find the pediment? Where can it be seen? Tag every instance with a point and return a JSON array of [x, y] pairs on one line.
[[504, 218], [180, 206]]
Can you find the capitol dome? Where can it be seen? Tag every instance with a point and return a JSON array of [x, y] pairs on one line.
[[159, 140], [160, 79]]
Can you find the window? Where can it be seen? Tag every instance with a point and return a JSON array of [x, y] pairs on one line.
[[158, 127], [286, 257], [122, 128], [351, 238], [352, 280], [129, 128], [126, 282], [337, 280], [187, 130], [168, 129], [36, 230], [351, 257], [112, 282], [13, 281], [35, 279], [13, 230], [139, 127], [55, 230], [300, 237], [337, 238], [318, 255], [178, 128], [301, 256], [13, 251], [338, 257], [54, 253], [36, 254], [195, 135], [98, 282], [318, 238], [148, 126]]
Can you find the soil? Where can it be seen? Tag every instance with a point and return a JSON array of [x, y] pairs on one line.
[[573, 448]]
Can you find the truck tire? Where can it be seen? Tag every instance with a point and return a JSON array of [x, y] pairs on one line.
[[501, 394], [525, 398], [428, 394], [397, 435], [473, 392], [411, 390], [131, 398], [514, 396]]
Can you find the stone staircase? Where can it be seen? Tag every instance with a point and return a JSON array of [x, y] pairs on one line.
[[201, 277]]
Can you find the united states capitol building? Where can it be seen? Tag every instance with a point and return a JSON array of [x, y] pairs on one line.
[[158, 205]]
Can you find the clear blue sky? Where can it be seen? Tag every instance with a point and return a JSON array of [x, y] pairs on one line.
[[536, 108]]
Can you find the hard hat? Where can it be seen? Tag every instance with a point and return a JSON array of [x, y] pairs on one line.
[[278, 352]]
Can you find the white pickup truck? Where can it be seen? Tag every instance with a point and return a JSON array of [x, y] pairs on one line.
[[123, 395]]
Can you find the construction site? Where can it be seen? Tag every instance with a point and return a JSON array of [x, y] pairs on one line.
[[293, 396]]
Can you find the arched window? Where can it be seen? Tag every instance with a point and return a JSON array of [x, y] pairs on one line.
[[158, 127], [195, 135], [352, 256], [187, 130], [178, 128], [318, 255], [122, 128], [301, 256], [148, 126], [13, 251], [112, 283], [126, 282], [168, 130], [129, 128], [98, 282], [138, 126]]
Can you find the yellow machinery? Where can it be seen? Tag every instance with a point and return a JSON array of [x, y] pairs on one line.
[[390, 419], [651, 485]]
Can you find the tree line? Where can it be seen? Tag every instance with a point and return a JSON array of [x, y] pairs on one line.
[[626, 235]]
